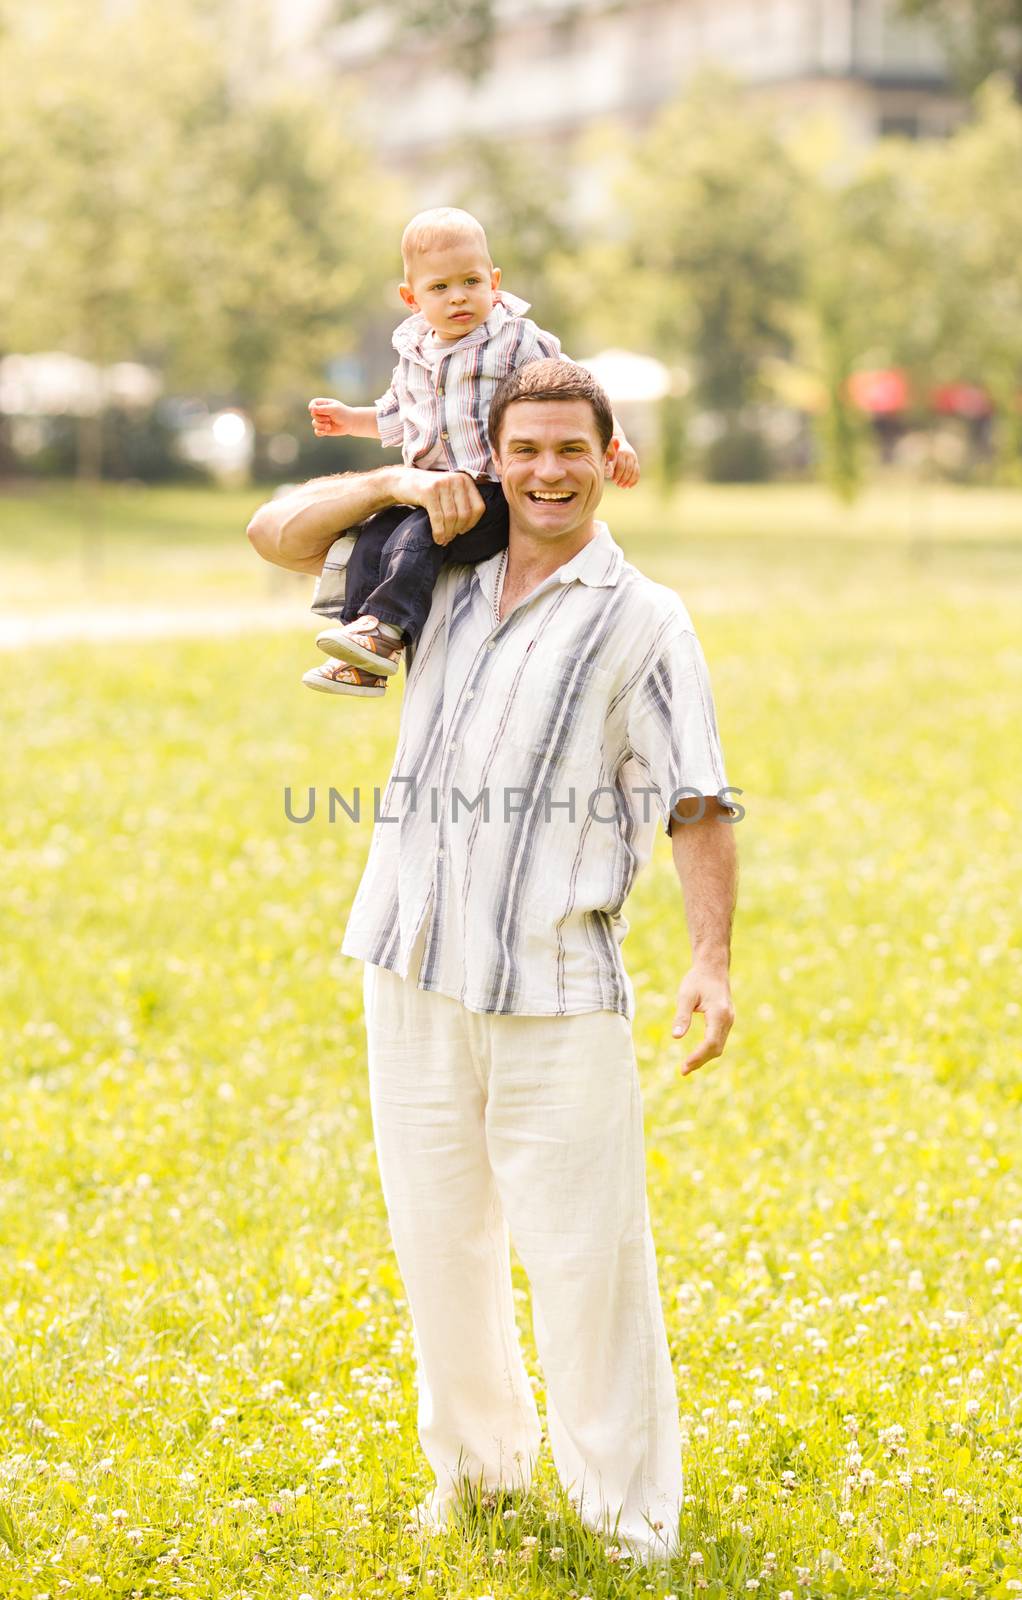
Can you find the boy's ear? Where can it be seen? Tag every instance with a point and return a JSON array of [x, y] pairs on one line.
[[495, 278], [405, 291]]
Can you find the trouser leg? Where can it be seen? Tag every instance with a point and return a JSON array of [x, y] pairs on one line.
[[411, 561], [366, 559], [351, 567], [476, 1413], [565, 1138]]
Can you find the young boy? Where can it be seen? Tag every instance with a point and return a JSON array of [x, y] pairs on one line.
[[463, 336]]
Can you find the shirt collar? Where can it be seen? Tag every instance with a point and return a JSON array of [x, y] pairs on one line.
[[598, 565], [410, 335]]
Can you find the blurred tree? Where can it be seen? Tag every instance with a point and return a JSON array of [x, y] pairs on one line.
[[975, 199], [464, 29], [868, 235], [526, 222], [716, 252], [981, 36], [157, 202]]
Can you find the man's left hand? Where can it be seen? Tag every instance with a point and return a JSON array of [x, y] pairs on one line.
[[706, 990]]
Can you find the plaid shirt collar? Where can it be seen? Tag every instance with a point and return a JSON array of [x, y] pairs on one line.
[[598, 564], [410, 336]]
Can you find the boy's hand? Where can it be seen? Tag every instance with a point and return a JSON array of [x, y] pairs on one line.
[[626, 466], [330, 417]]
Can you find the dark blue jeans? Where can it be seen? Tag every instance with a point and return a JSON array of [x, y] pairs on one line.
[[396, 561]]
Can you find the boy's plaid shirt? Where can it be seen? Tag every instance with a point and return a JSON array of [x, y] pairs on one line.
[[437, 405]]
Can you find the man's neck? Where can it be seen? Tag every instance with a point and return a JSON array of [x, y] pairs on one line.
[[531, 561]]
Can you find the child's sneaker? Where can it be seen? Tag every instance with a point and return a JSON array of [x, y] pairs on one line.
[[340, 677], [374, 646]]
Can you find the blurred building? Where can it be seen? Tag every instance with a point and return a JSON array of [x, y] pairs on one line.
[[556, 66]]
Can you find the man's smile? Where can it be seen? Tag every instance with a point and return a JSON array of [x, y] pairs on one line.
[[550, 494]]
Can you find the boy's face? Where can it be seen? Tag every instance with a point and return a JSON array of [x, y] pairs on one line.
[[453, 287]]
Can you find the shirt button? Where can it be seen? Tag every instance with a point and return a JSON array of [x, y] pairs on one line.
[[440, 855], [441, 389], [491, 644], [471, 695], [445, 436], [453, 746]]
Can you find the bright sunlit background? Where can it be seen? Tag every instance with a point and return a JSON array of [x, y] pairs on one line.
[[787, 235]]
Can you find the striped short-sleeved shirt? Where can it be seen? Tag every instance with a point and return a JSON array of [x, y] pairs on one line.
[[439, 397], [534, 758]]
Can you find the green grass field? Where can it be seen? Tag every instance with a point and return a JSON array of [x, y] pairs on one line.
[[207, 1381]]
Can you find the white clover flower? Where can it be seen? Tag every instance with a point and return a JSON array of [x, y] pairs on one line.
[[696, 1559]]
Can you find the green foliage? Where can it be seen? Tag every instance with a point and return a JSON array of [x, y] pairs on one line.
[[208, 1368], [982, 37], [976, 202], [163, 199], [526, 223], [712, 204], [461, 32]]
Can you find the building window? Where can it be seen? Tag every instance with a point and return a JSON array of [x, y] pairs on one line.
[[905, 125]]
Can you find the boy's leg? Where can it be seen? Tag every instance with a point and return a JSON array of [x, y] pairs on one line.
[[412, 559], [341, 594]]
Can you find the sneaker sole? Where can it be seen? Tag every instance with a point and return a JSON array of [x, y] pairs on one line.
[[347, 650], [324, 686]]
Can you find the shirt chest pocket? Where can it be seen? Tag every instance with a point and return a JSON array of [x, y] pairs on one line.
[[557, 714]]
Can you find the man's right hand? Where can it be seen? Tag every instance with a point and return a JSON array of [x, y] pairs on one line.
[[450, 499]]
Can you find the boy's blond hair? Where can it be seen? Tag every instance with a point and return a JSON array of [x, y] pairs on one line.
[[440, 226]]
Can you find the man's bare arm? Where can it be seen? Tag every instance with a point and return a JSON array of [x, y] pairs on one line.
[[297, 529], [706, 861]]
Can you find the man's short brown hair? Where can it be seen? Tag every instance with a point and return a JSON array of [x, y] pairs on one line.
[[551, 380]]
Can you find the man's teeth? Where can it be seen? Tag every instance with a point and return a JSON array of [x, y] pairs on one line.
[[535, 494]]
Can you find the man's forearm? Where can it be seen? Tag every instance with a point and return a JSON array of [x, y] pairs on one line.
[[706, 861], [297, 529]]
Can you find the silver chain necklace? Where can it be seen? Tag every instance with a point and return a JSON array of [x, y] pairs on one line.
[[497, 587]]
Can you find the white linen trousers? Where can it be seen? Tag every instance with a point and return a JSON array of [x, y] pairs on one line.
[[529, 1127]]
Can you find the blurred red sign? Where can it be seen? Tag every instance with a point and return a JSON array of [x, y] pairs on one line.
[[962, 400], [881, 393]]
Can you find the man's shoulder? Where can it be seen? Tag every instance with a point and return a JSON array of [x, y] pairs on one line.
[[660, 607]]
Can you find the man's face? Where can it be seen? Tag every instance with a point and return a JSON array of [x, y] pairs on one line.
[[551, 465], [453, 287]]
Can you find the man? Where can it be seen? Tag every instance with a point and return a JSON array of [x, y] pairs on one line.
[[556, 704]]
